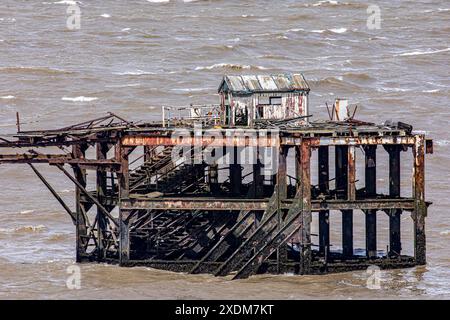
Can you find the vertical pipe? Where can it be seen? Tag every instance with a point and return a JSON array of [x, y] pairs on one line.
[[394, 192], [324, 188], [342, 192], [371, 191], [420, 210]]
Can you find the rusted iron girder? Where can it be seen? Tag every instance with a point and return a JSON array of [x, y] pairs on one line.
[[262, 141], [54, 159], [216, 204]]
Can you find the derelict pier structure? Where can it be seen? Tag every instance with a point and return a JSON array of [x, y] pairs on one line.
[[229, 188]]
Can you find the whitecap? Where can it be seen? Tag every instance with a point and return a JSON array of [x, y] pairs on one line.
[[420, 52], [158, 1], [79, 99], [26, 211], [30, 228], [106, 15], [384, 89], [8, 97], [330, 2], [133, 73], [68, 2], [338, 30], [230, 66]]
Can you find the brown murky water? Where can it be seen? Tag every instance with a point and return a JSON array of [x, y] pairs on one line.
[[130, 56]]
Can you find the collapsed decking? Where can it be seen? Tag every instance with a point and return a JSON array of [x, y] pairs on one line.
[[163, 198]]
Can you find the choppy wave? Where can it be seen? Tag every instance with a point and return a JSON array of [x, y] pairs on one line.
[[24, 229], [231, 66], [9, 97]]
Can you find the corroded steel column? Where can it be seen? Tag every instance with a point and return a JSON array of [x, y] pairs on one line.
[[324, 187], [79, 151], [420, 211], [121, 155], [371, 191], [102, 150], [305, 217], [394, 192], [342, 189]]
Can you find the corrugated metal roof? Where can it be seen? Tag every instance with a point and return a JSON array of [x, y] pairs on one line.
[[247, 84]]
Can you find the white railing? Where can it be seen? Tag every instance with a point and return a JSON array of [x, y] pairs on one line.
[[207, 114]]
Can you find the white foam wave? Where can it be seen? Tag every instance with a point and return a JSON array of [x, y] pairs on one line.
[[230, 66], [134, 73], [326, 2], [79, 99], [8, 97], [26, 211], [68, 2], [21, 229], [420, 52], [338, 30]]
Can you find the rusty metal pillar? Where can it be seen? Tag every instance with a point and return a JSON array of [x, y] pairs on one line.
[[420, 207], [101, 184], [79, 151], [121, 154], [282, 195], [324, 188], [235, 172], [342, 189], [371, 192], [282, 172], [394, 192], [305, 217]]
